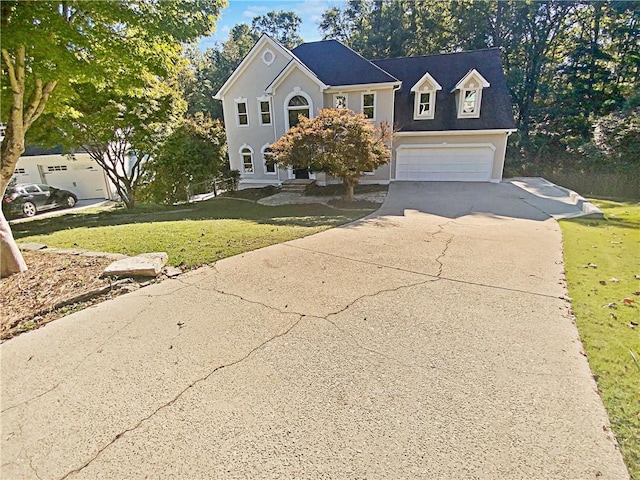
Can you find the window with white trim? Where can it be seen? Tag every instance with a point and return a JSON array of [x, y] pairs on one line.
[[269, 168], [247, 159], [369, 105], [469, 94], [298, 105], [20, 170], [340, 100], [424, 104], [469, 102], [242, 113], [264, 106], [57, 168]]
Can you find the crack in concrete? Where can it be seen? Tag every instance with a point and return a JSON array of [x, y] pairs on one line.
[[454, 280], [371, 295], [179, 395], [444, 250], [33, 468], [77, 366]]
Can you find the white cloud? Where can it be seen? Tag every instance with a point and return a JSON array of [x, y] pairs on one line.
[[254, 11], [311, 10]]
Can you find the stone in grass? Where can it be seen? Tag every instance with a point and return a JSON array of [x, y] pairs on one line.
[[30, 247], [144, 265]]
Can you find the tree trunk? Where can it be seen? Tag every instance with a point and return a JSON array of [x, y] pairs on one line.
[[349, 184], [11, 260]]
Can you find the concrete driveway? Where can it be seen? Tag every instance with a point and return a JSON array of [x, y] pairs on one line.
[[431, 340]]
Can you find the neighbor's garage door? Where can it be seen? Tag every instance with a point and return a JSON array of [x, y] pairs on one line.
[[460, 163]]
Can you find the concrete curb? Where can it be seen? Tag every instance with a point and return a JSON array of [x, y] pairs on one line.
[[587, 208]]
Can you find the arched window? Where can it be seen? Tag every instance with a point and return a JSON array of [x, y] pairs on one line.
[[247, 158], [266, 156], [297, 103]]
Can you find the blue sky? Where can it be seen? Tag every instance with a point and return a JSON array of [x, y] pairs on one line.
[[242, 11]]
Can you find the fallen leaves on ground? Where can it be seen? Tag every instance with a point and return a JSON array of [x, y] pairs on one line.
[[51, 279]]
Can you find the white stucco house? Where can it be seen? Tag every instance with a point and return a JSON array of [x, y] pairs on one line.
[[451, 113]]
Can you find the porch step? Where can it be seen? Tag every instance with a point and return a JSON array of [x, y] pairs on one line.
[[298, 185]]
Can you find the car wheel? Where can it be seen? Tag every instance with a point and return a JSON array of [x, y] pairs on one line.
[[29, 209], [70, 201]]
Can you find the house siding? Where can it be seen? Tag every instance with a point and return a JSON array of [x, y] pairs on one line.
[[251, 84]]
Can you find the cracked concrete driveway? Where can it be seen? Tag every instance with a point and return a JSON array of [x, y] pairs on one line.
[[430, 340]]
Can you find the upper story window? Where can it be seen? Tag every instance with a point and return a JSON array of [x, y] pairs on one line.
[[247, 159], [269, 168], [425, 97], [340, 100], [297, 105], [469, 94], [242, 112], [369, 105], [264, 107]]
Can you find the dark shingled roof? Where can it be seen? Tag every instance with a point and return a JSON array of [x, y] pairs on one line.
[[496, 111], [37, 150], [336, 64]]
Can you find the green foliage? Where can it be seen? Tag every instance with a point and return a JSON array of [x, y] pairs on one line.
[[208, 71], [119, 130], [100, 42], [607, 332], [617, 135], [283, 26], [228, 179], [336, 141], [193, 153]]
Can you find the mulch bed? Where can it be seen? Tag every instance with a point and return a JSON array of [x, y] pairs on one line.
[[55, 285]]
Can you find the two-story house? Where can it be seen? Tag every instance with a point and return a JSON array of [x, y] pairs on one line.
[[451, 113]]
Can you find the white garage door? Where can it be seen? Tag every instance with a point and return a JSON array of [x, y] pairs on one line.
[[86, 183], [461, 163]]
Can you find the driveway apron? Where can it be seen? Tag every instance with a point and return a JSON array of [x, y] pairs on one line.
[[432, 339]]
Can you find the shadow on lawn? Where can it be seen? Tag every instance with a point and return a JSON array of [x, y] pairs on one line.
[[616, 215], [307, 215]]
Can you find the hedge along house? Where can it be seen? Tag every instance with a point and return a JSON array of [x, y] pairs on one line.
[[451, 113]]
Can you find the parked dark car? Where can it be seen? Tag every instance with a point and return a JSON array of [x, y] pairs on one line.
[[27, 199]]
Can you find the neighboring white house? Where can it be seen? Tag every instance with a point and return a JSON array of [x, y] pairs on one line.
[[76, 172], [451, 113]]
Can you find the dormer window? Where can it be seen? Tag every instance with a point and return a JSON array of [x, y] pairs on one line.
[[470, 104], [424, 92], [469, 94]]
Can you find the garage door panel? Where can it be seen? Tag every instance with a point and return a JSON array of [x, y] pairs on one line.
[[455, 163]]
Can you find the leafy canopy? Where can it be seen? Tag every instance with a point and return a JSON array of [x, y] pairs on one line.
[[340, 142]]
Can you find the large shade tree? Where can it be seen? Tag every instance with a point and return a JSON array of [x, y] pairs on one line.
[[47, 46], [339, 142]]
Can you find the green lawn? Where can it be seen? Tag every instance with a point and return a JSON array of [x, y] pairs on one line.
[[192, 235], [606, 321]]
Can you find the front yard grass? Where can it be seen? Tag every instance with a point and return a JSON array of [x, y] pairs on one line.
[[602, 261], [192, 235]]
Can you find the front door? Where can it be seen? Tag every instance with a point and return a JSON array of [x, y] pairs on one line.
[[301, 172]]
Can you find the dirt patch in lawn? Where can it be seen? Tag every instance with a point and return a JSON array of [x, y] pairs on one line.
[[55, 285]]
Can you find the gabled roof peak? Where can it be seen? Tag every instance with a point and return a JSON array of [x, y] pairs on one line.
[[473, 73]]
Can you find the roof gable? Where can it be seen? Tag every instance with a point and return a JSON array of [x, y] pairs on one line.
[[426, 79], [471, 75], [262, 41], [292, 65], [337, 65]]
